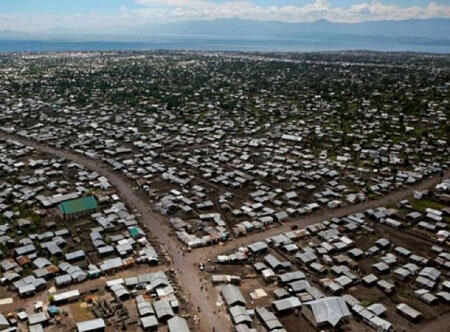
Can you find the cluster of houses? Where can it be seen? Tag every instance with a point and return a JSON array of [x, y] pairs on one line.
[[225, 158], [336, 272], [426, 213], [62, 225], [155, 299], [226, 146], [153, 294]]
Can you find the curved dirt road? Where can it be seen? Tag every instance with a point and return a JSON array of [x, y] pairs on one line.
[[188, 274], [186, 266]]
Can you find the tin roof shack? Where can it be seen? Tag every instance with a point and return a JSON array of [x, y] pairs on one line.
[[4, 324], [232, 295], [149, 323], [93, 325], [409, 312], [178, 324], [38, 318], [328, 311], [66, 297], [144, 306], [240, 315], [163, 310], [217, 279], [78, 208], [268, 319], [286, 305]]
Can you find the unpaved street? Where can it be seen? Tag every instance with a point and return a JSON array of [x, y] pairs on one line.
[[186, 264], [323, 215]]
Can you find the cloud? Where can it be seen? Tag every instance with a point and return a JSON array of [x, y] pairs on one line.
[[320, 9], [152, 11]]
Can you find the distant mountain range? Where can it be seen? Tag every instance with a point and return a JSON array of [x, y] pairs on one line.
[[419, 32], [430, 28]]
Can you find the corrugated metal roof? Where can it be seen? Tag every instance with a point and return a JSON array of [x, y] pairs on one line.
[[90, 325], [178, 324], [232, 295], [329, 309], [287, 303], [269, 319], [149, 322], [78, 205], [240, 315], [163, 308]]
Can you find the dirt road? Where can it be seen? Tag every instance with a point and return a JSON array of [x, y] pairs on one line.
[[186, 266], [322, 215], [189, 275]]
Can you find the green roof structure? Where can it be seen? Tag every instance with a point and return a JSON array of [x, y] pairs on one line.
[[78, 205], [133, 232]]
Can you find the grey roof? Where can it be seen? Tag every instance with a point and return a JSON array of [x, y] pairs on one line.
[[408, 311], [268, 318], [26, 288], [35, 328], [413, 268], [257, 246], [402, 272], [3, 321], [425, 282], [425, 296], [291, 276], [381, 266], [178, 324], [298, 286], [306, 257], [111, 263], [63, 279], [41, 262], [356, 252], [377, 308], [343, 280], [240, 315], [370, 278], [37, 318], [154, 280], [380, 324], [75, 255], [315, 292], [444, 296], [232, 295], [244, 328], [287, 303], [382, 242], [329, 309], [149, 321], [150, 252], [280, 293], [72, 294], [26, 249], [430, 273], [272, 261], [119, 291], [90, 325], [163, 309], [144, 307]]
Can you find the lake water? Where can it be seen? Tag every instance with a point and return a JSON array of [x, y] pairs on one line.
[[218, 45]]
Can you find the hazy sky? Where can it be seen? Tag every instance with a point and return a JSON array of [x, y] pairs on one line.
[[37, 15]]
